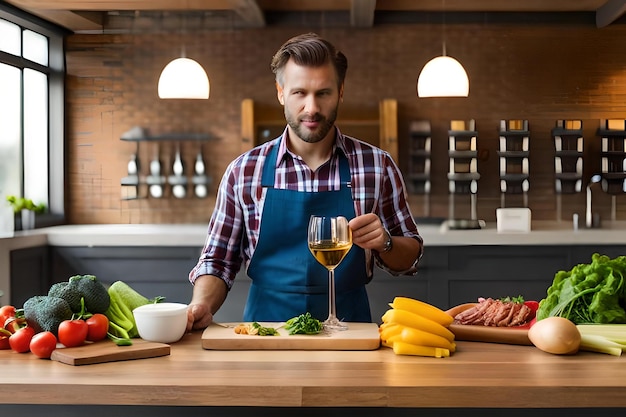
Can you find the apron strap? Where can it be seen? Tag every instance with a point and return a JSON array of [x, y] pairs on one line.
[[269, 169]]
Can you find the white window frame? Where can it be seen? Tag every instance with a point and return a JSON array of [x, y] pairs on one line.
[[56, 106]]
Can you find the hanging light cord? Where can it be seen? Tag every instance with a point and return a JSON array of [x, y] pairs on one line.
[[443, 26]]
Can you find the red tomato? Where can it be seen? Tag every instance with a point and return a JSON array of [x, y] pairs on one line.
[[4, 339], [20, 340], [6, 312], [42, 344], [98, 326], [534, 306], [73, 332]]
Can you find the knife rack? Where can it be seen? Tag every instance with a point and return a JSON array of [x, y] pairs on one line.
[[463, 173], [613, 159], [513, 153], [568, 160]]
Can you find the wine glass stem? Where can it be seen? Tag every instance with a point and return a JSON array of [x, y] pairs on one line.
[[332, 312]]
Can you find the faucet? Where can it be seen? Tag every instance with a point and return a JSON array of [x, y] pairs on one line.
[[595, 179]]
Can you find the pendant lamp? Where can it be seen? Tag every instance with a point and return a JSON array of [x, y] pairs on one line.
[[184, 78], [443, 76]]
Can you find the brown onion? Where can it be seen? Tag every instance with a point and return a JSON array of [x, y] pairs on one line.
[[556, 335]]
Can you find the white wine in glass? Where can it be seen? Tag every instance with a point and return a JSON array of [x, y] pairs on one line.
[[330, 240]]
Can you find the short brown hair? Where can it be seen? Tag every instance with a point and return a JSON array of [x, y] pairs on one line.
[[309, 50]]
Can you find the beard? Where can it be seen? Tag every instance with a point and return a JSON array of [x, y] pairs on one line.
[[311, 136]]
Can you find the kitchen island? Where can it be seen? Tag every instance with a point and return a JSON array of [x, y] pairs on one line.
[[485, 379]]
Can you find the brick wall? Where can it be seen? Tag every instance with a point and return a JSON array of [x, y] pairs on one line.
[[540, 72]]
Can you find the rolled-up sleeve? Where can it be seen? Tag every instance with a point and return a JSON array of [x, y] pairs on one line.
[[221, 254], [395, 213]]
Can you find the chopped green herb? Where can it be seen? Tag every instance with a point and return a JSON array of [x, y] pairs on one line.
[[303, 324], [264, 331], [517, 300]]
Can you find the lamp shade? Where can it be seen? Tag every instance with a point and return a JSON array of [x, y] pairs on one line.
[[443, 76], [184, 78]]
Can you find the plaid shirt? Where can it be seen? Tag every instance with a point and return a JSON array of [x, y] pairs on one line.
[[233, 231]]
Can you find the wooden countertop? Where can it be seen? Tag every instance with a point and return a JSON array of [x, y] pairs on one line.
[[477, 375]]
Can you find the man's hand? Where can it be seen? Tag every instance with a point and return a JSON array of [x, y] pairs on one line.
[[209, 292], [198, 317], [368, 232]]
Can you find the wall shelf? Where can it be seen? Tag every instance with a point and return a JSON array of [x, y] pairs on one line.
[[156, 180], [261, 123], [419, 158], [138, 134]]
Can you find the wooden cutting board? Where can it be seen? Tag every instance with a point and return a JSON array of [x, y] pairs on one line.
[[476, 333], [107, 351], [359, 336]]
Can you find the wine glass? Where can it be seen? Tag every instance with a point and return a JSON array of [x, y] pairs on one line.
[[330, 240]]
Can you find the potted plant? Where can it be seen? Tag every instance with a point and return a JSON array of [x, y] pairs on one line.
[[26, 209]]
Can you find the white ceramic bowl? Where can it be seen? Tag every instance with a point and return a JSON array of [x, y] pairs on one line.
[[161, 322]]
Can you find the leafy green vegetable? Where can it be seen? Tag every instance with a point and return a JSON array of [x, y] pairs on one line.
[[265, 331], [120, 341], [303, 324], [123, 300], [588, 293]]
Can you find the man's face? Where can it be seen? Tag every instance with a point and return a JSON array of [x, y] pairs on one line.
[[310, 96]]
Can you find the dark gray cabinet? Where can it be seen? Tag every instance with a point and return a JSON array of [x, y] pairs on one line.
[[29, 273], [448, 275], [151, 271]]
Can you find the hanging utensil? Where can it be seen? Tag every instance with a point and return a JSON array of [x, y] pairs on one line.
[[200, 178], [178, 181], [156, 187], [199, 167], [133, 165]]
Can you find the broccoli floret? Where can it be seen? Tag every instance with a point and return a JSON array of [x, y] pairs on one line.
[[45, 313], [94, 293], [96, 296], [68, 293]]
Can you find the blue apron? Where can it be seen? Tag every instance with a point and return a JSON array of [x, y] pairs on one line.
[[286, 279]]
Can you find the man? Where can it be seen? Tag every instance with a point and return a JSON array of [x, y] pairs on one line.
[[267, 195]]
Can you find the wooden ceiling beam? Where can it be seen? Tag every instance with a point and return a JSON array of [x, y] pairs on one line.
[[73, 21], [249, 11], [609, 12], [115, 5], [362, 13]]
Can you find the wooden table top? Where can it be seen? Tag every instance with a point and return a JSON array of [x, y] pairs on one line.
[[477, 375]]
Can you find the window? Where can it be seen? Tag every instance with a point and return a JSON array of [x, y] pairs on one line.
[[32, 73]]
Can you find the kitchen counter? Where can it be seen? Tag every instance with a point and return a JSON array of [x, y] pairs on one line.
[[542, 233], [478, 375]]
